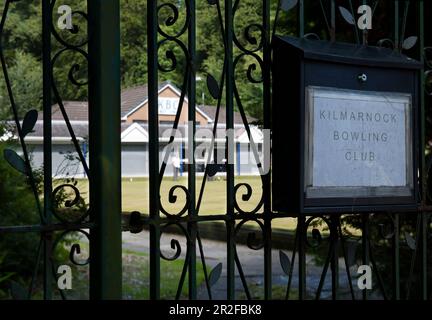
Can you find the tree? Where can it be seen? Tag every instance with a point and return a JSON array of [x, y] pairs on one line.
[[18, 208], [133, 42], [24, 74]]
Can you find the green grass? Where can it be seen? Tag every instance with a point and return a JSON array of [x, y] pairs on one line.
[[135, 196], [136, 277]]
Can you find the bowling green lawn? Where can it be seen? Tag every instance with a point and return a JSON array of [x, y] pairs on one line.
[[135, 196]]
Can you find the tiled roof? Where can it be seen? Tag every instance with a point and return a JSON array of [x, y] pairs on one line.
[[130, 99], [59, 130], [133, 97], [76, 111], [81, 130]]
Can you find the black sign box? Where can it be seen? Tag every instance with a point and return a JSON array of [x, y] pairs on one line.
[[345, 128]]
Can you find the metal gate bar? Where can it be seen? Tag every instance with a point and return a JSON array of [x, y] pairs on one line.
[[105, 146]]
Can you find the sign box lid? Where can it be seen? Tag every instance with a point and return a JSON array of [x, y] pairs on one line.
[[339, 52]]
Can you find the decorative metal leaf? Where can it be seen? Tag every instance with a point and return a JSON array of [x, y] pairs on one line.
[[17, 291], [347, 15], [29, 122], [212, 170], [410, 241], [287, 5], [409, 42], [15, 161], [285, 262], [213, 87], [215, 274]]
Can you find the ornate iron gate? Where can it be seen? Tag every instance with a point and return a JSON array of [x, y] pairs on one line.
[[394, 244], [98, 48]]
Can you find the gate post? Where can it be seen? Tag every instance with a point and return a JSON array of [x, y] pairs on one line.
[[105, 149]]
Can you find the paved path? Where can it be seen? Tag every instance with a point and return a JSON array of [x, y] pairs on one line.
[[253, 267]]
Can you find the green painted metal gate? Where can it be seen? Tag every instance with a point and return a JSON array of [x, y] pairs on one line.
[[394, 244]]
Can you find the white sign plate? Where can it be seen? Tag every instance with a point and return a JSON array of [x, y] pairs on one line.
[[168, 106], [358, 139]]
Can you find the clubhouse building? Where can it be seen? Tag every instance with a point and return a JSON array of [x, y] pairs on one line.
[[135, 137]]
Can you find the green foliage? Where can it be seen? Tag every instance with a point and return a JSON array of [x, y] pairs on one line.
[[211, 52], [23, 32], [18, 208], [133, 35], [24, 73], [18, 250], [4, 276], [22, 48], [381, 249], [23, 28], [136, 276]]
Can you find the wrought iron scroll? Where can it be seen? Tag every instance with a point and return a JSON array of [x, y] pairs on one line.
[[48, 228], [171, 62]]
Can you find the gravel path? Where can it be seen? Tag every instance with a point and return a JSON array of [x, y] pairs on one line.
[[253, 268]]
